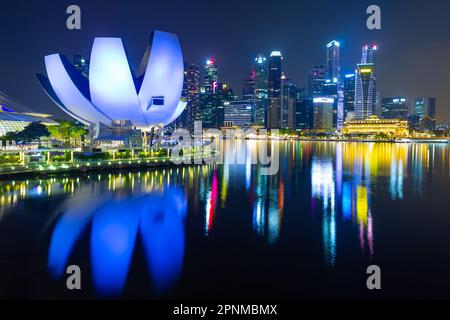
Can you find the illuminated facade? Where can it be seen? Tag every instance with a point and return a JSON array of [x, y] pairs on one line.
[[261, 89], [374, 125], [323, 114], [365, 91], [275, 74], [191, 90], [333, 68], [349, 96], [238, 113], [316, 81], [111, 92], [394, 108]]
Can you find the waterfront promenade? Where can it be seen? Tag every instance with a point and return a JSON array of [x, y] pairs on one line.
[[46, 161]]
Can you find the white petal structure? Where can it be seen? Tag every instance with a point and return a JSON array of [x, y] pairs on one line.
[[163, 78], [112, 92], [111, 83]]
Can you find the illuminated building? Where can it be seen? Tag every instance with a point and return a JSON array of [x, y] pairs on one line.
[[425, 109], [374, 125], [323, 114], [288, 101], [334, 90], [248, 94], [368, 54], [333, 68], [275, 73], [248, 91], [121, 134], [211, 75], [304, 113], [394, 108], [191, 90], [238, 113], [425, 106], [261, 94], [365, 91], [316, 81], [223, 94], [349, 95], [112, 92]]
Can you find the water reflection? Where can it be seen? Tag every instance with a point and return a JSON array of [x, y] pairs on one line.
[[324, 191], [117, 220]]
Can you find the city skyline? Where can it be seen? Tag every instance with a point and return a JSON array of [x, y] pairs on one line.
[[235, 50]]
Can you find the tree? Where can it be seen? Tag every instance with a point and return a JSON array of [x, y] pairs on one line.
[[67, 131], [34, 131]]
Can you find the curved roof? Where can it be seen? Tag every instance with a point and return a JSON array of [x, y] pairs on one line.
[[13, 116]]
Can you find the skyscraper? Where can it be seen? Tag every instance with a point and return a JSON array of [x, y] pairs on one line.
[[304, 112], [248, 91], [211, 75], [208, 98], [394, 108], [261, 89], [368, 54], [349, 95], [191, 90], [369, 57], [333, 67], [331, 90], [288, 102], [323, 114], [365, 91], [316, 81], [424, 109], [222, 95], [425, 106], [275, 73]]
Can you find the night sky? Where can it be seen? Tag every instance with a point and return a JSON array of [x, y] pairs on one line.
[[413, 60]]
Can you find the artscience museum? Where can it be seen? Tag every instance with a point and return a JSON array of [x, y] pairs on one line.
[[113, 92]]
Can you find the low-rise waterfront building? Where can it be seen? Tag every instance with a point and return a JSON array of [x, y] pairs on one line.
[[374, 125]]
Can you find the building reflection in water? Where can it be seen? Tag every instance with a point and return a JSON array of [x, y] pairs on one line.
[[116, 221], [323, 188], [333, 182]]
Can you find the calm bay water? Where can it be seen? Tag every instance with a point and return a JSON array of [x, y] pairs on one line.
[[226, 231]]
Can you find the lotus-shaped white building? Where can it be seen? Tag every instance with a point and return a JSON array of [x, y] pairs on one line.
[[112, 92]]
